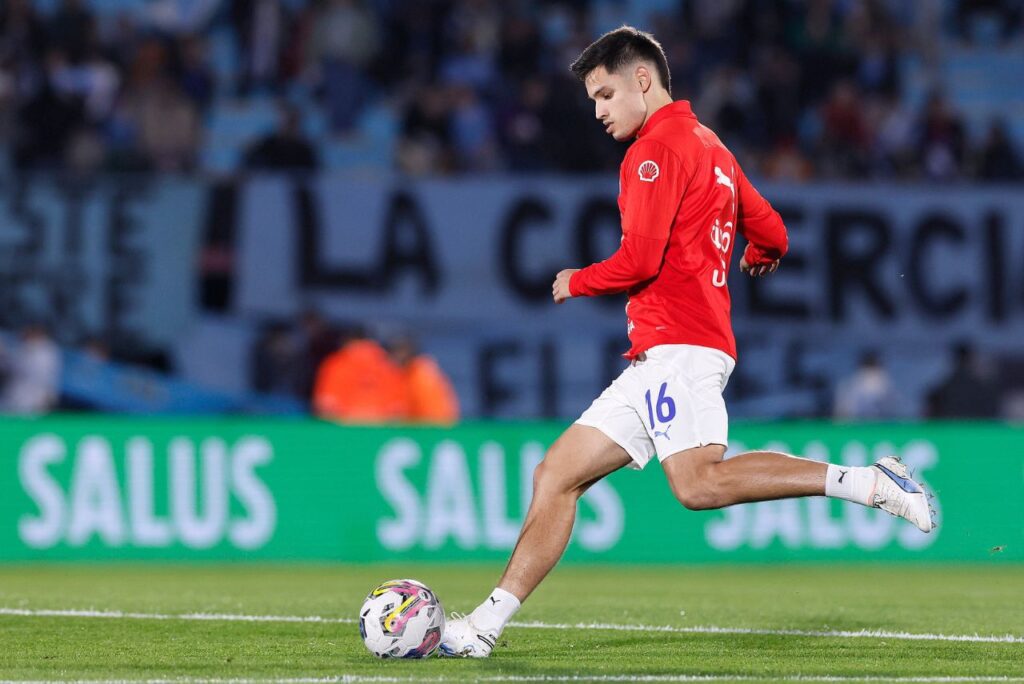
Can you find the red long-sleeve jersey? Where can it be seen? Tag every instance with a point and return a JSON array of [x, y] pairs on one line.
[[682, 197]]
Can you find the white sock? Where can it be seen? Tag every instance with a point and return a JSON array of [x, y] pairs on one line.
[[493, 614], [853, 483]]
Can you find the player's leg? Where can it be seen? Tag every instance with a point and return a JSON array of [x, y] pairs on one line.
[[686, 416], [702, 478], [579, 458]]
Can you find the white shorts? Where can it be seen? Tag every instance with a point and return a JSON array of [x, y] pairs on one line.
[[669, 402]]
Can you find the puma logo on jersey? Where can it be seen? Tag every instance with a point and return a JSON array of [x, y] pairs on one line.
[[648, 171], [722, 179], [663, 433]]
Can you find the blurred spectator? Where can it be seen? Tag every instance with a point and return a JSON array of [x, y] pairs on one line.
[[868, 394], [970, 390], [521, 47], [998, 160], [878, 67], [844, 142], [430, 395], [468, 66], [425, 144], [345, 40], [521, 127], [727, 100], [286, 149], [197, 79], [895, 139], [181, 16], [21, 31], [1011, 382], [262, 26], [71, 28], [1003, 17], [95, 80], [943, 140], [33, 373], [823, 48], [317, 339], [786, 162], [276, 364], [359, 383], [472, 132], [165, 121], [47, 120], [777, 76]]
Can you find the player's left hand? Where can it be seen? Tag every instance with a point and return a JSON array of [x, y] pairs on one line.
[[758, 270], [560, 288]]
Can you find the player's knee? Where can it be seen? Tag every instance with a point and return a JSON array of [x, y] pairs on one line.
[[696, 497], [698, 491], [550, 477], [548, 480], [541, 476]]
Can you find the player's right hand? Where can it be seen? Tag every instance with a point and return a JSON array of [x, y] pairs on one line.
[[560, 288], [758, 270]]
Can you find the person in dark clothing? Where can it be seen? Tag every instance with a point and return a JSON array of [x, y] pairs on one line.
[[968, 392], [72, 28], [277, 364], [46, 122], [318, 339], [286, 149], [998, 159]]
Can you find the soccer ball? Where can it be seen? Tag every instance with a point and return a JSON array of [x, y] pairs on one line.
[[401, 619]]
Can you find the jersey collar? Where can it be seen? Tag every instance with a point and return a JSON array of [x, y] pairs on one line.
[[677, 108]]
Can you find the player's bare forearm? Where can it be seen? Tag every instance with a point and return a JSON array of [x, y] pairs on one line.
[[560, 288]]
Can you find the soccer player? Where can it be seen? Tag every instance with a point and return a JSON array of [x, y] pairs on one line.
[[682, 199]]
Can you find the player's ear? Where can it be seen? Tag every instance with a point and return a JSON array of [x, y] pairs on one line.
[[643, 77]]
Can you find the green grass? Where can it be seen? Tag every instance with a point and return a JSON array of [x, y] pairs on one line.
[[948, 600]]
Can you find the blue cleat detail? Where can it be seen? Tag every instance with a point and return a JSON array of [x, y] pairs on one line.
[[905, 484]]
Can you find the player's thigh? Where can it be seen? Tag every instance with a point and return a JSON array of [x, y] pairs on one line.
[[679, 396], [688, 471], [615, 415], [581, 456]]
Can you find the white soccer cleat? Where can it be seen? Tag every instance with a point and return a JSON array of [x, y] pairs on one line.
[[896, 493], [462, 640]]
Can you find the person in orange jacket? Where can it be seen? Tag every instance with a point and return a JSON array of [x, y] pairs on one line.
[[360, 383], [429, 394]]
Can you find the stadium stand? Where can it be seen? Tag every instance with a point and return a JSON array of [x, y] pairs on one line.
[[477, 85]]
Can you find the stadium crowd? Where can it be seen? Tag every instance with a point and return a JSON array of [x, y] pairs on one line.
[[798, 89]]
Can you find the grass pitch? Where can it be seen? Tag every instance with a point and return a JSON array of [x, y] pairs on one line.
[[900, 600]]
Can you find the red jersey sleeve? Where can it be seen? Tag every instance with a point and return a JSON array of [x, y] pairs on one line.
[[760, 225], [653, 182]]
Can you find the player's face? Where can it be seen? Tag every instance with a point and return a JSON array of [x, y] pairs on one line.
[[618, 101]]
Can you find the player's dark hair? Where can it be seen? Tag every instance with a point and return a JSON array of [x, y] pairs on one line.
[[620, 47]]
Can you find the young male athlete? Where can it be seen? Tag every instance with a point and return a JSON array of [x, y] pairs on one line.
[[682, 199]]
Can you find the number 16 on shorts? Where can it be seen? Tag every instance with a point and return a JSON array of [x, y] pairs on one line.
[[663, 408]]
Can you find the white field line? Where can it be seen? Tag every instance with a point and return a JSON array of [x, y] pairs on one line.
[[211, 617], [846, 634], [613, 627], [375, 679]]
